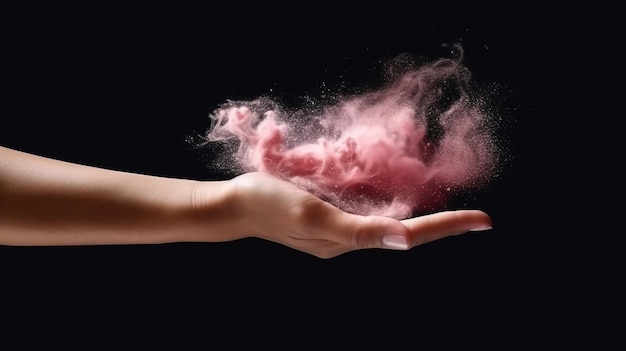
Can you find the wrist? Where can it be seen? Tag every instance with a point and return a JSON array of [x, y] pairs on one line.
[[211, 212]]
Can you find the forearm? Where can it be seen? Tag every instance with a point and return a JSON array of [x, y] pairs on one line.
[[51, 202]]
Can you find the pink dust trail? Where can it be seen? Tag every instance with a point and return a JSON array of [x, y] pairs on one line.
[[392, 151]]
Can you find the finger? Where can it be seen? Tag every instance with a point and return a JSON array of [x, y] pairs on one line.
[[439, 225], [363, 232]]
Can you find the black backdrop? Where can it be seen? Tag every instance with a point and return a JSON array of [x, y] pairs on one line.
[[128, 96]]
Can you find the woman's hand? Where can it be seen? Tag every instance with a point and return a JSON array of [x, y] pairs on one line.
[[51, 202], [273, 209]]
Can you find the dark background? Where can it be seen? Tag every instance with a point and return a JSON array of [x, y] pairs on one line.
[[129, 96]]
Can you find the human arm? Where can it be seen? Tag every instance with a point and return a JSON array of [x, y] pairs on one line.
[[45, 201]]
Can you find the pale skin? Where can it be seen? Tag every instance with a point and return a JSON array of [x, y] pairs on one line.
[[49, 202]]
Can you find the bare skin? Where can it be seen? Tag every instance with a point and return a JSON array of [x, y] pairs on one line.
[[50, 202]]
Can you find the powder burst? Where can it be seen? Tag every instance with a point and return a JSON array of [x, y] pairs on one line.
[[392, 151]]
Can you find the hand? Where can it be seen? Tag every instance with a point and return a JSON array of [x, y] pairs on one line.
[[279, 211], [72, 204]]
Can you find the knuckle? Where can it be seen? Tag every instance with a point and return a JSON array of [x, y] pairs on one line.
[[358, 235], [354, 238]]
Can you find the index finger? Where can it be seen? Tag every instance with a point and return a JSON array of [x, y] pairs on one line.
[[439, 225]]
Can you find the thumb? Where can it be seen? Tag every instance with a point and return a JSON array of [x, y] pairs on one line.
[[364, 232], [436, 226]]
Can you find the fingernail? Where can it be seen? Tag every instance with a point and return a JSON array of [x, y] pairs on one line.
[[395, 242], [478, 229]]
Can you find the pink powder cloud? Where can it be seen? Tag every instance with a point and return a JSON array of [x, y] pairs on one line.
[[391, 151]]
